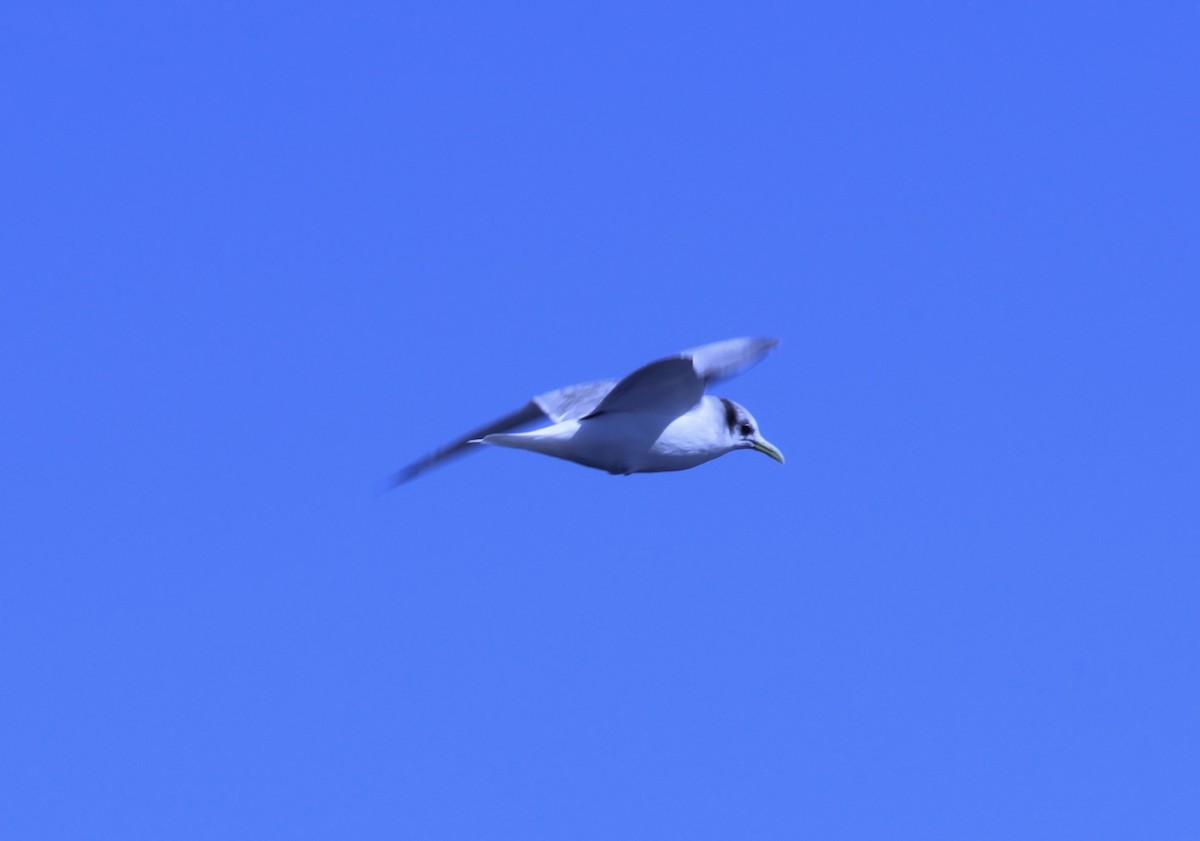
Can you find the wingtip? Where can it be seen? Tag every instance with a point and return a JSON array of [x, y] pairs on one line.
[[406, 475], [400, 477]]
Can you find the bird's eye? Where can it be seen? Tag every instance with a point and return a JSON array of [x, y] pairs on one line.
[[747, 429]]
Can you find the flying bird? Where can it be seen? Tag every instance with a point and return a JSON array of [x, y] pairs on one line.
[[656, 419]]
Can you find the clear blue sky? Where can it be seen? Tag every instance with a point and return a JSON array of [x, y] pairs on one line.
[[257, 256]]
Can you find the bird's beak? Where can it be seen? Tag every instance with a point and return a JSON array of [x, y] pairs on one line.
[[764, 446]]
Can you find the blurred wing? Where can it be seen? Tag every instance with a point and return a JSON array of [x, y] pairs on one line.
[[569, 403], [526, 414], [675, 384]]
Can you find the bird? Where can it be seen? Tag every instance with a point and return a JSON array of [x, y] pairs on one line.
[[656, 419]]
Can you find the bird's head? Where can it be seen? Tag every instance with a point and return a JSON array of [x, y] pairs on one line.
[[743, 432]]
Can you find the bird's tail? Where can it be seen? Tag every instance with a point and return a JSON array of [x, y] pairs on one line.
[[516, 440]]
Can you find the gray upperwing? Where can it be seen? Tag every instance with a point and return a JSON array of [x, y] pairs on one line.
[[668, 386], [573, 402], [528, 413], [675, 384]]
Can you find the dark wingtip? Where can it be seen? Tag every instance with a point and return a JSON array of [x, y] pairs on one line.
[[402, 476], [530, 411]]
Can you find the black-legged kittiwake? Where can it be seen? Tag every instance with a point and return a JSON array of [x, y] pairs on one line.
[[656, 419]]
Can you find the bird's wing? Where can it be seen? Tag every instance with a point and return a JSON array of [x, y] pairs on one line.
[[569, 403], [574, 401], [526, 414], [675, 384], [722, 360], [668, 386]]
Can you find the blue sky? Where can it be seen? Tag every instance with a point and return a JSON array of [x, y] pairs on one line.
[[258, 256]]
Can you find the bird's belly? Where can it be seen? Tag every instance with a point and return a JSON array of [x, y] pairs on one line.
[[634, 444]]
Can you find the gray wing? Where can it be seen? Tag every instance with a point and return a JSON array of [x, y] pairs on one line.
[[668, 386], [569, 403], [675, 384], [526, 414], [722, 360], [574, 401]]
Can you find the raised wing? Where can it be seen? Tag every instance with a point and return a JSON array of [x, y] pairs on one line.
[[722, 360], [675, 384], [668, 386]]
